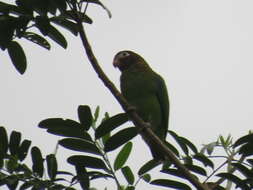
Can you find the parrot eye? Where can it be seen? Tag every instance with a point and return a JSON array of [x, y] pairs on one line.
[[124, 54]]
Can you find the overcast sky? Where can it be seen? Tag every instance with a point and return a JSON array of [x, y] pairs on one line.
[[202, 48]]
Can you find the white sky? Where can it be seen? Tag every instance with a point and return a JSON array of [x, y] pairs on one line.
[[202, 48]]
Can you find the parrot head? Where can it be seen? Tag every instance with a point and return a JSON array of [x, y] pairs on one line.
[[126, 59]]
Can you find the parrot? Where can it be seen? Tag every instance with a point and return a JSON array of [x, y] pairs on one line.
[[146, 91]]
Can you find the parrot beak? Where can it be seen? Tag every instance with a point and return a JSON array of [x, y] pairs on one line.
[[116, 62]]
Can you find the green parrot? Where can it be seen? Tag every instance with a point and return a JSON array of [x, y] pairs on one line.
[[146, 91]]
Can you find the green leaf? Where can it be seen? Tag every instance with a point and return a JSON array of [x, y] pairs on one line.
[[85, 116], [87, 161], [15, 139], [246, 149], [65, 128], [148, 166], [99, 3], [189, 144], [60, 4], [3, 140], [111, 124], [8, 26], [123, 156], [174, 172], [37, 39], [170, 184], [17, 56], [146, 177], [172, 148], [120, 138], [180, 142], [96, 174], [37, 160], [239, 183], [244, 170], [69, 25], [56, 36], [196, 169], [52, 166], [203, 159], [23, 149], [79, 145], [82, 177], [96, 114], [243, 140], [128, 174]]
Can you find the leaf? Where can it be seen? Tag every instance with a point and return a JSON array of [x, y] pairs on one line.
[[55, 35], [239, 183], [37, 161], [3, 140], [17, 56], [60, 4], [15, 139], [180, 142], [243, 140], [170, 184], [87, 161], [8, 26], [69, 25], [172, 148], [123, 156], [96, 175], [83, 177], [128, 174], [85, 116], [146, 177], [148, 166], [196, 169], [37, 39], [110, 124], [79, 145], [23, 149], [174, 172], [246, 149], [203, 159], [65, 128], [189, 144], [244, 170], [99, 3], [120, 138], [52, 166]]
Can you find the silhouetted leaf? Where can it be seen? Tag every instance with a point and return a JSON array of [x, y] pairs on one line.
[[170, 184], [55, 35], [79, 145], [83, 177], [148, 166], [120, 138], [97, 174], [17, 56], [244, 170], [60, 4], [180, 142], [246, 149], [196, 169], [15, 139], [174, 172], [239, 183], [128, 174], [23, 149], [87, 161], [146, 177], [123, 156], [37, 160], [8, 25], [69, 25], [243, 140], [110, 124], [172, 148], [203, 159], [52, 166], [85, 116], [189, 144], [3, 140], [37, 39], [99, 3], [66, 128]]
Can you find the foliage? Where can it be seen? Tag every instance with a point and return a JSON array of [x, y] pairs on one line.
[[91, 140]]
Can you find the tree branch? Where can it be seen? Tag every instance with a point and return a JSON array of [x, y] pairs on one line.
[[145, 131]]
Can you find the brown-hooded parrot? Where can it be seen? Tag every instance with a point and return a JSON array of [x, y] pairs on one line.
[[145, 90]]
